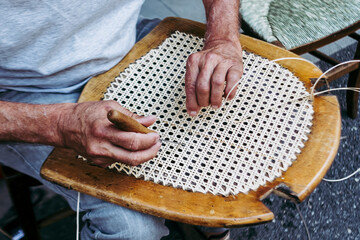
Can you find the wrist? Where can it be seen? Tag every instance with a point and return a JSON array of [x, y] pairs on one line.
[[63, 123], [222, 20]]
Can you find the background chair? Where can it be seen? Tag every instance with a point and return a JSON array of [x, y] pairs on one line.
[[303, 27], [19, 187]]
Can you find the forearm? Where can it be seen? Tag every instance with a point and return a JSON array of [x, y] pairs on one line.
[[83, 127], [32, 123], [222, 20]]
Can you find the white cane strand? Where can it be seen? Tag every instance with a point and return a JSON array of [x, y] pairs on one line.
[[330, 69], [78, 217], [342, 179]]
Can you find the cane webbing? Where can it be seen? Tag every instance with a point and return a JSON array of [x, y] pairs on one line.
[[247, 142], [295, 23]]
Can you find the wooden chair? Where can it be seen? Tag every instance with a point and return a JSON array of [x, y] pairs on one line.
[[303, 27], [63, 167], [19, 185]]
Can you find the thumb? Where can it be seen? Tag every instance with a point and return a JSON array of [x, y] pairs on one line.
[[144, 120]]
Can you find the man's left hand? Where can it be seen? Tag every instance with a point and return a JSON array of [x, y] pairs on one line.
[[212, 73]]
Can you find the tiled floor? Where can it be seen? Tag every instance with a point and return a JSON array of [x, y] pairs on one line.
[[191, 9]]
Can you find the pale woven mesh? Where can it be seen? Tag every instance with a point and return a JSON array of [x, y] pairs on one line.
[[239, 147], [298, 22], [254, 13]]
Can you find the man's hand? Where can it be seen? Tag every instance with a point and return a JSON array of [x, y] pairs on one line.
[[87, 130], [211, 74]]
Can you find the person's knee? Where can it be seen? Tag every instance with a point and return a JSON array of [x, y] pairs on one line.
[[114, 222]]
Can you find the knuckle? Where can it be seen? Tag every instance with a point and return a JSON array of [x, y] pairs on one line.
[[218, 81], [234, 75], [110, 104], [97, 130], [202, 89], [193, 58], [92, 150], [210, 56], [134, 143]]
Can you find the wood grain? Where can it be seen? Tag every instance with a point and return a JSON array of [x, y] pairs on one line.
[[301, 178]]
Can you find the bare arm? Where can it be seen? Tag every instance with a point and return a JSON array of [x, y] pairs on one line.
[[83, 127], [212, 72]]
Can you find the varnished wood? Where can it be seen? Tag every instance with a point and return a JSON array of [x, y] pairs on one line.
[[302, 177], [126, 123], [341, 71], [326, 40]]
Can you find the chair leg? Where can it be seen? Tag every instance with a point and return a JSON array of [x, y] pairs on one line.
[[20, 195], [354, 81]]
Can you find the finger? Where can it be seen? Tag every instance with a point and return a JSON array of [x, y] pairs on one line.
[[218, 84], [135, 158], [192, 71], [133, 141], [203, 80], [233, 76]]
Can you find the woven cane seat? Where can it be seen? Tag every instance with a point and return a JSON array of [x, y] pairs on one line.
[[209, 178], [248, 142], [296, 23]]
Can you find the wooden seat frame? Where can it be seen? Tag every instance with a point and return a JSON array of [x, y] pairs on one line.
[[296, 183]]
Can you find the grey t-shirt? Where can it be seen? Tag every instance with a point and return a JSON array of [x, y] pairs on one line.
[[56, 45]]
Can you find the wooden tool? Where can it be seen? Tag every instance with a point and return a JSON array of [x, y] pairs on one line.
[[128, 124]]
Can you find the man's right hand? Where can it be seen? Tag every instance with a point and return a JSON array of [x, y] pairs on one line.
[[87, 130]]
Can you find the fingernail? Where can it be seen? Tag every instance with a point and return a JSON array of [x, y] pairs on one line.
[[214, 106], [149, 117], [193, 113]]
